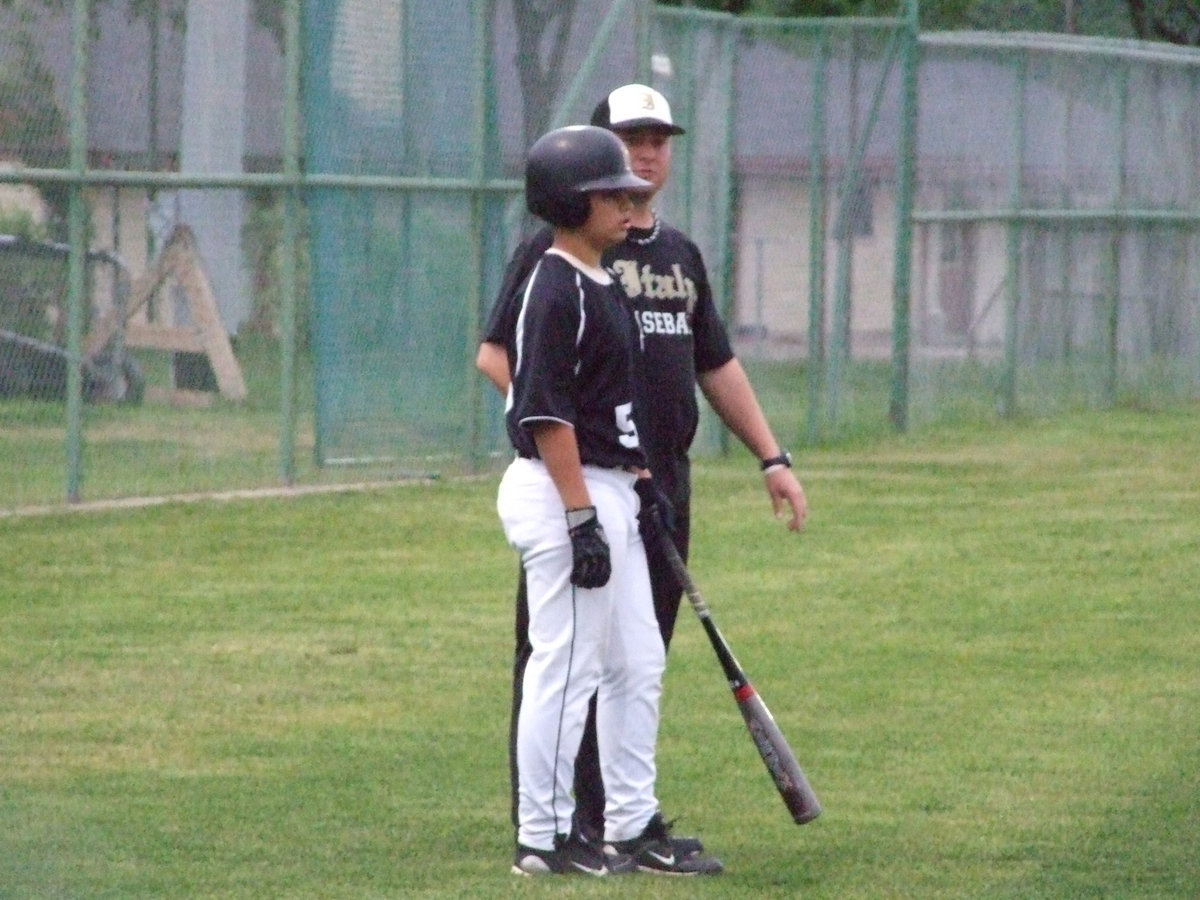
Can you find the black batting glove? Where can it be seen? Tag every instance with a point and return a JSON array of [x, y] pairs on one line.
[[591, 564], [657, 515]]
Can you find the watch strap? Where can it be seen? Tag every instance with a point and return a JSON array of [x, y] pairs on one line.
[[782, 461]]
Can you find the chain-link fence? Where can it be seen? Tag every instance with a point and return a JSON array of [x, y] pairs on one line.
[[1052, 234], [246, 252], [1058, 217]]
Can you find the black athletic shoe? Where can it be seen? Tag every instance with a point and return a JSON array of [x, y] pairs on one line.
[[686, 846], [571, 855], [683, 846], [654, 850]]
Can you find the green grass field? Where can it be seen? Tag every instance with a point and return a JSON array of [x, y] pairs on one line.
[[984, 650]]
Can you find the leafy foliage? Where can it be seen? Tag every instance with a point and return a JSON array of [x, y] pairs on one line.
[[31, 124], [1171, 20], [1176, 21], [262, 243]]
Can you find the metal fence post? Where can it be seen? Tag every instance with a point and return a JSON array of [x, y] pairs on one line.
[[1112, 369], [1012, 283], [289, 254], [815, 367], [77, 256], [644, 37], [478, 246], [905, 178]]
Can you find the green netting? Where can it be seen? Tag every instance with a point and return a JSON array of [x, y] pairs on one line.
[[402, 274], [393, 270]]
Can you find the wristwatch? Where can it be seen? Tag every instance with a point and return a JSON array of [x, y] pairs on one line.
[[784, 459]]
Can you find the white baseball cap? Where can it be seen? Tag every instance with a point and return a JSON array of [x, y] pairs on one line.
[[635, 106]]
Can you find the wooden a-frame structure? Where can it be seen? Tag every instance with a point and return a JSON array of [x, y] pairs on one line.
[[178, 260]]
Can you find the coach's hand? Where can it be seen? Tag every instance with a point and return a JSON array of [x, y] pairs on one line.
[[657, 514], [591, 564]]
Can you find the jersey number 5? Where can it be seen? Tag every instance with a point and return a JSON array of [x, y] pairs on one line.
[[625, 425]]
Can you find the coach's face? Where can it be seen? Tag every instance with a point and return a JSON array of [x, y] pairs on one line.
[[649, 153]]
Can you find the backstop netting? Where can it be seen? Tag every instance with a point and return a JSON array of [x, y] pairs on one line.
[[432, 99], [394, 305]]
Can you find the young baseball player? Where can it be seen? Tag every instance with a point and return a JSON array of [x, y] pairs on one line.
[[684, 343], [568, 504]]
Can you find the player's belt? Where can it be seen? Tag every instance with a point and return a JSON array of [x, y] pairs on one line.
[[633, 470]]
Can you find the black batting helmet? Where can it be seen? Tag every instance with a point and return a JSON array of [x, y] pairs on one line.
[[563, 165]]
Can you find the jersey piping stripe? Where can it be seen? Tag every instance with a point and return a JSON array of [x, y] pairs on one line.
[[555, 419], [520, 329], [559, 825], [582, 320]]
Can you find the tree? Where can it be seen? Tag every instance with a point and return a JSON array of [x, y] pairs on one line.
[[1175, 21], [1109, 18], [934, 13], [267, 13], [543, 29]]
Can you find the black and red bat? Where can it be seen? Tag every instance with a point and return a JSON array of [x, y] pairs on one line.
[[789, 779]]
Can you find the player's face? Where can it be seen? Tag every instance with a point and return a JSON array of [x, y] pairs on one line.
[[608, 222], [649, 154]]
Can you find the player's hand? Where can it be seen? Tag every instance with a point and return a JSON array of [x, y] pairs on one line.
[[785, 491], [657, 514], [591, 564]]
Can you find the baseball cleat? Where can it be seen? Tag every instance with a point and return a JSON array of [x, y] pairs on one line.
[[654, 850], [570, 856], [685, 846]]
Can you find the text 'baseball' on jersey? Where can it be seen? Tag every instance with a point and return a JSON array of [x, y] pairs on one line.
[[654, 322], [651, 285]]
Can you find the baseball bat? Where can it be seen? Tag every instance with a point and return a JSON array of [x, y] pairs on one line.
[[773, 747]]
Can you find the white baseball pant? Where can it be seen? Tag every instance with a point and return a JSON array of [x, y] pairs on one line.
[[602, 640]]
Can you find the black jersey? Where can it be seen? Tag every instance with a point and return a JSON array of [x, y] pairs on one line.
[[571, 351], [666, 284], [665, 281]]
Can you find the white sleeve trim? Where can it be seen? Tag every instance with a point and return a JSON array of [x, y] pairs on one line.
[[530, 420]]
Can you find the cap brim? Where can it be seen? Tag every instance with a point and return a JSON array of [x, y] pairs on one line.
[[655, 124]]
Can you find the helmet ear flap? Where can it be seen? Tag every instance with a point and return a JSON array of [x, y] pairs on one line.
[[576, 210], [562, 209]]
